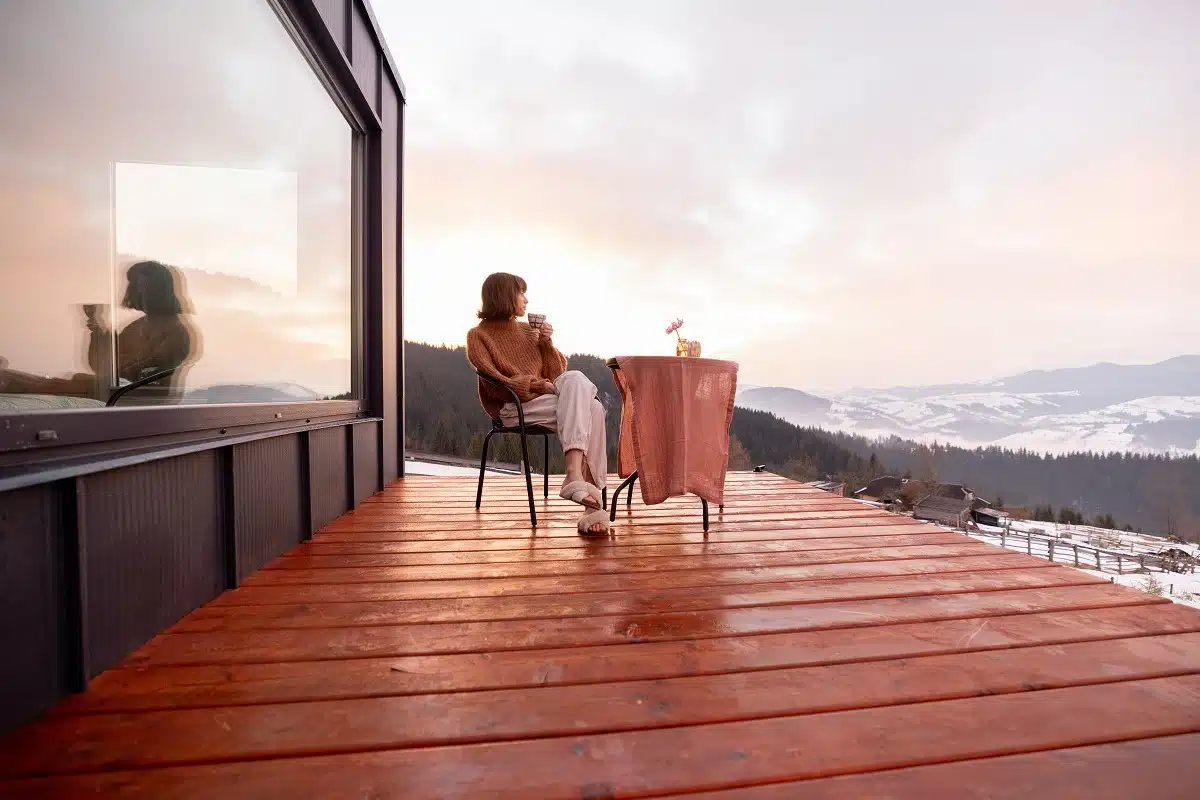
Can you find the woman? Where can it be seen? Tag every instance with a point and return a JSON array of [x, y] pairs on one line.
[[159, 340], [525, 359]]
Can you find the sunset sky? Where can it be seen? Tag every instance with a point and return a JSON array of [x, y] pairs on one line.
[[834, 194]]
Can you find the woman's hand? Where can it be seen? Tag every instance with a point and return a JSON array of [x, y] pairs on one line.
[[548, 387], [545, 331]]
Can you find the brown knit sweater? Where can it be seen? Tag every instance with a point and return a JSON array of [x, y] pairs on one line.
[[511, 352]]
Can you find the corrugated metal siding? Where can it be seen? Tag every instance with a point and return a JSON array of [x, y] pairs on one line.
[[31, 673], [366, 460], [153, 550], [333, 14], [364, 56], [327, 475], [268, 500]]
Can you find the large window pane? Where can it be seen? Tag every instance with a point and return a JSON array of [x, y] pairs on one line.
[[176, 194]]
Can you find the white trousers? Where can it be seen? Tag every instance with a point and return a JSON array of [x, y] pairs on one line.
[[575, 415]]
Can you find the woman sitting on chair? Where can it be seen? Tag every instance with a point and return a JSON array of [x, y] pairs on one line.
[[524, 358]]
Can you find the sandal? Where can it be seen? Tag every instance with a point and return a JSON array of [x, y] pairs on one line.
[[597, 517], [581, 491]]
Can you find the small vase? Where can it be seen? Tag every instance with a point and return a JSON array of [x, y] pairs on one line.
[[681, 347]]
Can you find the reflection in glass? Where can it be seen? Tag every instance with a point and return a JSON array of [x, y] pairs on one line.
[[182, 209]]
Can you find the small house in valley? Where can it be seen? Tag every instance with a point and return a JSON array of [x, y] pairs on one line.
[[833, 487], [986, 515], [884, 489], [944, 511]]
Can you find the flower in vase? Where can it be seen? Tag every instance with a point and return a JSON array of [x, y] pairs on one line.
[[675, 326]]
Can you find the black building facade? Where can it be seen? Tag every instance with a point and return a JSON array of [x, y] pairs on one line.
[[201, 348]]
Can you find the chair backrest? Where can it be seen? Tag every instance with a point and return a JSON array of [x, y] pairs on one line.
[[503, 387], [156, 388]]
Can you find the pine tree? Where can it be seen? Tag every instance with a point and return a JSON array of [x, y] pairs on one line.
[[739, 457]]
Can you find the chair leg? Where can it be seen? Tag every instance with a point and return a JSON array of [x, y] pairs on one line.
[[604, 495], [528, 479], [617, 495], [487, 441], [705, 504], [545, 465], [629, 494]]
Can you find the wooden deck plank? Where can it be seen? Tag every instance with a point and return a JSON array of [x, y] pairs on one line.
[[277, 577], [418, 513], [808, 645], [662, 760], [620, 582], [606, 548], [397, 612], [569, 539], [398, 531], [1163, 768], [631, 626], [96, 742], [565, 517], [136, 688]]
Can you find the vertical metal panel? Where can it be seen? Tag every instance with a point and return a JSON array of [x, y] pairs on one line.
[[32, 674], [334, 15], [365, 437], [154, 550], [364, 55], [392, 333], [327, 475], [268, 503]]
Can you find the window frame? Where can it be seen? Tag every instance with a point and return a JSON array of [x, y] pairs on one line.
[[79, 440]]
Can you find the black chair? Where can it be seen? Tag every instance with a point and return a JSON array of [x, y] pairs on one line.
[[522, 430], [139, 383]]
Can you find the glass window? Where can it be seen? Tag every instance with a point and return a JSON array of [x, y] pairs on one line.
[[176, 193]]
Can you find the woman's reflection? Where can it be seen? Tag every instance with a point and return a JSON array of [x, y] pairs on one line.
[[161, 339]]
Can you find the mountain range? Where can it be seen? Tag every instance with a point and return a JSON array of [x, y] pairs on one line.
[[1151, 408]]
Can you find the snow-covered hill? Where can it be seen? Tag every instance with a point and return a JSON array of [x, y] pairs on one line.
[[1143, 408]]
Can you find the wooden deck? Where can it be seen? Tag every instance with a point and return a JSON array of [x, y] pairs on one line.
[[809, 646]]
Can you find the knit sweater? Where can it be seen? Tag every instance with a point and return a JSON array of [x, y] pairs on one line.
[[512, 353]]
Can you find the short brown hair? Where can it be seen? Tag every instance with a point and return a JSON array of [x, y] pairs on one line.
[[500, 290]]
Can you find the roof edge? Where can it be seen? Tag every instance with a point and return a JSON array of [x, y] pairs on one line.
[[383, 48]]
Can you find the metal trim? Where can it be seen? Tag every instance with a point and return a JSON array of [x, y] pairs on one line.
[[142, 451], [381, 45]]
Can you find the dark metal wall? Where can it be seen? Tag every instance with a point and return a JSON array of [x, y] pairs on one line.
[[92, 568], [95, 564], [33, 671]]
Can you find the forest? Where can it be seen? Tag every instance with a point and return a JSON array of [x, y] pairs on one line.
[[443, 415], [1154, 493], [1157, 494]]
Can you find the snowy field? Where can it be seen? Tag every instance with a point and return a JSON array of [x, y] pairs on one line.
[[428, 468], [1119, 554]]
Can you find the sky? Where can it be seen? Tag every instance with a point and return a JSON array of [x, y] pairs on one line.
[[834, 194]]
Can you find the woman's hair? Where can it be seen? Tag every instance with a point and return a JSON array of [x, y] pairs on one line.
[[151, 289], [500, 291]]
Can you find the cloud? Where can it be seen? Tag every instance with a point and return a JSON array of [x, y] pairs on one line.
[[950, 186]]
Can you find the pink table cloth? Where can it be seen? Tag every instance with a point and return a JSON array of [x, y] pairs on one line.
[[675, 424]]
